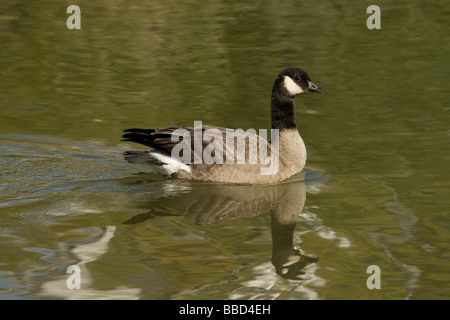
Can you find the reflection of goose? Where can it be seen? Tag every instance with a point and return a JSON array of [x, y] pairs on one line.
[[212, 203], [286, 152]]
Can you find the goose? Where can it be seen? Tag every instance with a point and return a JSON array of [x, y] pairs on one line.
[[177, 150]]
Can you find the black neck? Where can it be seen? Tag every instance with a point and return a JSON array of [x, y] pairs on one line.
[[283, 108]]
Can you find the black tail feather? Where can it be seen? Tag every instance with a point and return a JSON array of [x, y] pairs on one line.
[[141, 157], [163, 139], [137, 130], [142, 136]]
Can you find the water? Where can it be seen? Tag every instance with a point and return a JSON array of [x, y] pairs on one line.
[[375, 190]]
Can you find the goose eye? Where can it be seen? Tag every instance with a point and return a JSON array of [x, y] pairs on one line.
[[298, 79]]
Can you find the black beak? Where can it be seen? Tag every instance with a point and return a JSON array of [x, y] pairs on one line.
[[313, 88]]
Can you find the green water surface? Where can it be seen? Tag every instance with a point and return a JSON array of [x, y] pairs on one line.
[[375, 191]]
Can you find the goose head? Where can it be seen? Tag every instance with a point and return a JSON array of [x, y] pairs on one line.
[[295, 81]]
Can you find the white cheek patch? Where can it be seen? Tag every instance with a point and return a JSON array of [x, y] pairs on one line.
[[292, 87]]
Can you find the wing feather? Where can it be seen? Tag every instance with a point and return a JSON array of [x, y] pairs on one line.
[[238, 145]]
